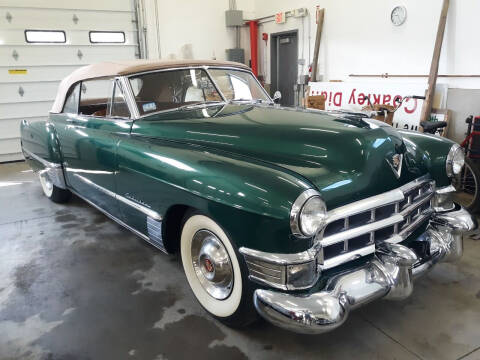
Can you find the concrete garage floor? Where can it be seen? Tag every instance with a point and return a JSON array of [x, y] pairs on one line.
[[75, 285]]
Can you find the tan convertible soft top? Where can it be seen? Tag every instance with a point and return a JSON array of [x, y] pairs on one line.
[[119, 68]]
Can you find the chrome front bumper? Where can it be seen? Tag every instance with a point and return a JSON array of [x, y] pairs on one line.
[[389, 275]]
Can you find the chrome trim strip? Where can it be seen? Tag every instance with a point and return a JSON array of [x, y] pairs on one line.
[[375, 201], [267, 283], [132, 105], [415, 183], [149, 212], [364, 229], [405, 233], [118, 221], [360, 206], [446, 189], [349, 256], [418, 203], [44, 162], [280, 259], [215, 85]]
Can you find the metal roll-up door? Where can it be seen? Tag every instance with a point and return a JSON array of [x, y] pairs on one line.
[[30, 72]]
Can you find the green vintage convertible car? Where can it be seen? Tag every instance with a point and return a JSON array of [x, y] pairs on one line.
[[296, 215]]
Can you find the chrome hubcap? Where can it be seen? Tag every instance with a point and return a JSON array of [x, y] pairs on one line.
[[212, 264]]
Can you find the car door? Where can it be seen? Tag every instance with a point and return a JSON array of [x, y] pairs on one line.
[[90, 138]]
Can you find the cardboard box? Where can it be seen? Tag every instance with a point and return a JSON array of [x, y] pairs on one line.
[[316, 102]]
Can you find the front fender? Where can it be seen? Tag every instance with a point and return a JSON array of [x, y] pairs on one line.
[[250, 199], [429, 151]]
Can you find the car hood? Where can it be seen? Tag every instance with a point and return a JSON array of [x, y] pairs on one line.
[[344, 157]]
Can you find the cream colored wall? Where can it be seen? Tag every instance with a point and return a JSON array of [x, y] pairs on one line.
[[192, 29], [359, 38]]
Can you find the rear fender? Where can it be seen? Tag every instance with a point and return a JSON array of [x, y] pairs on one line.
[[41, 149]]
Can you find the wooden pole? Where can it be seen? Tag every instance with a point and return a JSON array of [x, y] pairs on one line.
[[432, 78], [320, 16]]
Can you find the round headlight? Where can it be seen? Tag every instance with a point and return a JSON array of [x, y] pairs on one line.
[[312, 216], [455, 160], [308, 214]]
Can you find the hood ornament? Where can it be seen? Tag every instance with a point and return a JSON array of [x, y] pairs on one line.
[[396, 164]]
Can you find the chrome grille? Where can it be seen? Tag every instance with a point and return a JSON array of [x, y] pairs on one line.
[[353, 230]]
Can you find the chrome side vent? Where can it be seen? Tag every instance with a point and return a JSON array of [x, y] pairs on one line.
[[154, 229]]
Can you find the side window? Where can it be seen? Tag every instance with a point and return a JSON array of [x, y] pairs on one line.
[[71, 104], [95, 97], [119, 104]]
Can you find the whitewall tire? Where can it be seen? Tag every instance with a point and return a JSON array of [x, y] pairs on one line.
[[52, 191], [47, 185], [213, 271]]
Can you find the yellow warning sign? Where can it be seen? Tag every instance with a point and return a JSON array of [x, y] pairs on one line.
[[17, 71]]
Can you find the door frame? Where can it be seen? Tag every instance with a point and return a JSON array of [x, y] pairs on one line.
[[274, 58]]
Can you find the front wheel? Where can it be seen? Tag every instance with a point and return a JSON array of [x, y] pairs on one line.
[[215, 275], [52, 191]]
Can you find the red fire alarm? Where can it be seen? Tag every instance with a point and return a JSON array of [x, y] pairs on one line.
[[264, 36]]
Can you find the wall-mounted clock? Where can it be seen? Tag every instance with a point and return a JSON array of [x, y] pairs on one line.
[[398, 15]]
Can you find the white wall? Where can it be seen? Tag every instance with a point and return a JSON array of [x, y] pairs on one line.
[[359, 38], [193, 27]]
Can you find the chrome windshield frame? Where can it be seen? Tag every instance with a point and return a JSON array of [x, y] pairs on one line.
[[131, 96]]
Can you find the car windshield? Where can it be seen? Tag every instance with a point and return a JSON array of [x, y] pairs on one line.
[[238, 85], [170, 90]]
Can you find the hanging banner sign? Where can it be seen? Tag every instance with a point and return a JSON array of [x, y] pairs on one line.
[[351, 96]]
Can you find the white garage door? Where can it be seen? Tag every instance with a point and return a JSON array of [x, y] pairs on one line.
[[41, 44]]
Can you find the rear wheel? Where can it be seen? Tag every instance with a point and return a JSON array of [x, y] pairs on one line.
[[215, 275], [52, 191], [467, 184]]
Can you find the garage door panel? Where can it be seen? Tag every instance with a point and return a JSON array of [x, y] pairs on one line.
[[73, 38], [37, 91], [13, 110], [10, 146], [87, 19], [11, 157], [57, 54], [10, 128], [105, 5], [35, 73], [44, 65]]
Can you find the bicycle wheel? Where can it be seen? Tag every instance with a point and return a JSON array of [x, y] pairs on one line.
[[467, 184]]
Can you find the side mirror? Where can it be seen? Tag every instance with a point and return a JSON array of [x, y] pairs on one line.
[[277, 96]]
